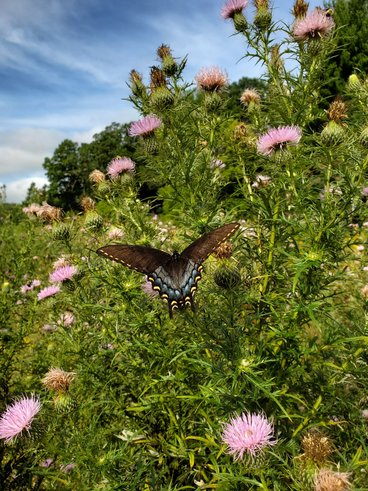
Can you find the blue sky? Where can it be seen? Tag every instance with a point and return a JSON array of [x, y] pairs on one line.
[[64, 66]]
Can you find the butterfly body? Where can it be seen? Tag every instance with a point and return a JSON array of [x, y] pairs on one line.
[[174, 276]]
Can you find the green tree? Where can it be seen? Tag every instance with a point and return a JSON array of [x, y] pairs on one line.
[[35, 194], [351, 18]]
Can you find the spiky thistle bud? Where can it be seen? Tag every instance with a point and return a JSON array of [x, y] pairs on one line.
[[337, 110], [227, 275], [93, 220], [300, 9], [169, 65], [161, 98], [276, 60], [354, 82], [332, 134], [263, 16], [317, 447], [157, 78], [61, 231], [136, 84], [328, 480]]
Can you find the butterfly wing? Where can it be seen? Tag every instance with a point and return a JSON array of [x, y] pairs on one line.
[[201, 248], [140, 258]]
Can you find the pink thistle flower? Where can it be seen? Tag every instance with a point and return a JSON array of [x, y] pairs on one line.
[[277, 138], [18, 417], [119, 166], [314, 25], [67, 468], [63, 274], [115, 233], [49, 291], [247, 433], [47, 463], [211, 79], [233, 7], [145, 126], [30, 286]]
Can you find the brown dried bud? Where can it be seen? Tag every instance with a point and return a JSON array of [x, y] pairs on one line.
[[337, 110], [328, 480], [316, 446], [224, 250], [250, 95], [157, 78], [240, 131], [49, 213], [58, 380], [87, 203], [276, 60], [300, 9], [163, 51], [135, 77], [96, 176]]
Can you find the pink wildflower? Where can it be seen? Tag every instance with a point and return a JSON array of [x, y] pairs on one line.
[[145, 126], [233, 7], [211, 79], [47, 463], [115, 233], [62, 274], [30, 286], [277, 138], [247, 433], [314, 25], [119, 166], [18, 417], [49, 291], [67, 468]]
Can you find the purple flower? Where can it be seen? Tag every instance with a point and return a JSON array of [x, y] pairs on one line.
[[67, 468], [66, 319], [247, 433], [46, 463], [277, 138], [145, 126], [30, 286], [314, 25], [120, 165], [63, 273], [233, 7], [18, 417], [49, 291]]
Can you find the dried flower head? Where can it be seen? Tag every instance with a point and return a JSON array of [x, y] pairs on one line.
[[278, 138], [18, 417], [120, 165], [233, 7], [300, 9], [317, 447], [145, 127], [96, 176], [211, 79], [58, 380], [49, 291], [261, 181], [337, 110], [315, 25], [61, 261], [158, 78], [64, 273], [163, 51], [32, 209], [87, 203], [250, 95], [49, 213], [217, 164], [328, 480], [115, 233], [248, 434], [224, 250], [135, 77]]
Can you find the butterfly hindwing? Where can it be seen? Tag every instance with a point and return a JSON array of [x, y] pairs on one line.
[[201, 248], [140, 258]]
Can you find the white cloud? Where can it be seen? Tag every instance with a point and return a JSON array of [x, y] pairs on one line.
[[16, 190], [23, 150]]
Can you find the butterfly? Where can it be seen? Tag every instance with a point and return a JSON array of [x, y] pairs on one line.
[[175, 276]]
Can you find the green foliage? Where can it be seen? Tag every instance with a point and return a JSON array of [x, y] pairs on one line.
[[280, 322]]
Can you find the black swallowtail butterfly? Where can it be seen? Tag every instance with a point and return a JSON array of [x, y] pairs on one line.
[[174, 276]]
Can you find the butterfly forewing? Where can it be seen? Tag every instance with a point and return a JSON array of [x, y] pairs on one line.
[[140, 258], [201, 248]]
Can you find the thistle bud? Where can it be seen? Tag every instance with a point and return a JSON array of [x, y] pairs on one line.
[[240, 22], [87, 203], [227, 276], [157, 78], [60, 231], [93, 220], [150, 145], [136, 85], [169, 66], [263, 16], [96, 176], [161, 98], [332, 134], [354, 82], [317, 447], [276, 60], [337, 110], [300, 9]]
